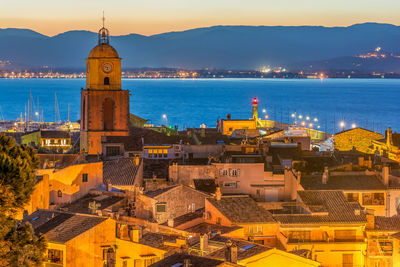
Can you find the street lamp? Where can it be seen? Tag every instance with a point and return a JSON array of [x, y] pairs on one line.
[[308, 118], [310, 125], [300, 116], [353, 125], [342, 125], [315, 119], [264, 110], [164, 116]]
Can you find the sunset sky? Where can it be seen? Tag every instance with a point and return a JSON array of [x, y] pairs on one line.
[[149, 17]]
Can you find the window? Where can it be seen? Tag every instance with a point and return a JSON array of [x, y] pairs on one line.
[[352, 197], [165, 153], [230, 184], [59, 193], [299, 236], [218, 220], [161, 207], [192, 207], [108, 257], [160, 152], [55, 256], [374, 199], [255, 229], [84, 177], [106, 81], [345, 235], [108, 114], [112, 151], [230, 129], [347, 260], [124, 263], [223, 172]]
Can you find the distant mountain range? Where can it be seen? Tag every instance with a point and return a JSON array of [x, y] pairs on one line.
[[221, 47]]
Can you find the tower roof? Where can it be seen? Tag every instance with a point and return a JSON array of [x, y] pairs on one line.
[[103, 50]]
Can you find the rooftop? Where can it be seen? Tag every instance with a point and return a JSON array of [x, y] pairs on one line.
[[121, 171], [323, 207], [241, 209], [342, 182], [177, 259], [205, 185], [387, 223], [82, 205], [61, 227]]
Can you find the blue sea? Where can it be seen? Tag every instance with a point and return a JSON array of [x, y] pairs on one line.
[[368, 103]]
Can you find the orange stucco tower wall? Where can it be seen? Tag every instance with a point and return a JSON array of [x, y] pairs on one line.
[[104, 105]]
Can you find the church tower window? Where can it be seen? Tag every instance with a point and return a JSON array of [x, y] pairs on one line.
[[108, 114], [106, 81]]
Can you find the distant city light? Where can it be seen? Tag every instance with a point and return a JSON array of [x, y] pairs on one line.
[[318, 126]]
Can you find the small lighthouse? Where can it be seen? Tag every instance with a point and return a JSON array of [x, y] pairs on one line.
[[255, 108]]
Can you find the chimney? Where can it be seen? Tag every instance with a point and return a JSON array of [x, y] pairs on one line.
[[385, 175], [361, 161], [298, 177], [389, 138], [218, 193], [186, 263], [135, 234], [370, 219], [203, 244], [170, 223], [228, 116], [231, 252], [325, 176]]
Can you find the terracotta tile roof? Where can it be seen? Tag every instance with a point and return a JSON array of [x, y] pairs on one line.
[[342, 182], [178, 258], [62, 227], [241, 209], [121, 171], [387, 223], [205, 228], [82, 205], [324, 207], [156, 240], [245, 249], [54, 134], [157, 192], [205, 185], [188, 217]]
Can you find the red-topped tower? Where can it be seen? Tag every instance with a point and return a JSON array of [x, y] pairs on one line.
[[104, 105], [255, 108]]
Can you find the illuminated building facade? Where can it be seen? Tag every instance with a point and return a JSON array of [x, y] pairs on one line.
[[104, 105]]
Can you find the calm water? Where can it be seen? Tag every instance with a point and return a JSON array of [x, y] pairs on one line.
[[370, 103]]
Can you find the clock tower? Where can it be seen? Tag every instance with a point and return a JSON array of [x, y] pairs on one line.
[[104, 105]]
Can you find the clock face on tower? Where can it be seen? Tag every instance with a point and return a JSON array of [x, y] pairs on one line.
[[107, 67]]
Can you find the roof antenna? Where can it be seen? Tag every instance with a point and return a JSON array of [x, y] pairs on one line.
[[104, 19]]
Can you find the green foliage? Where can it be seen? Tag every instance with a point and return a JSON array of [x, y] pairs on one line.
[[18, 244], [17, 174]]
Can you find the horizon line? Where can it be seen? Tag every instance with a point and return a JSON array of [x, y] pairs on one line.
[[202, 27]]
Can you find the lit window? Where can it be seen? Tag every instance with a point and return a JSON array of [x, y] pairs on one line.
[[59, 193]]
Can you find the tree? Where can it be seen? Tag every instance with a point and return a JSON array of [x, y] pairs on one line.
[[18, 244]]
